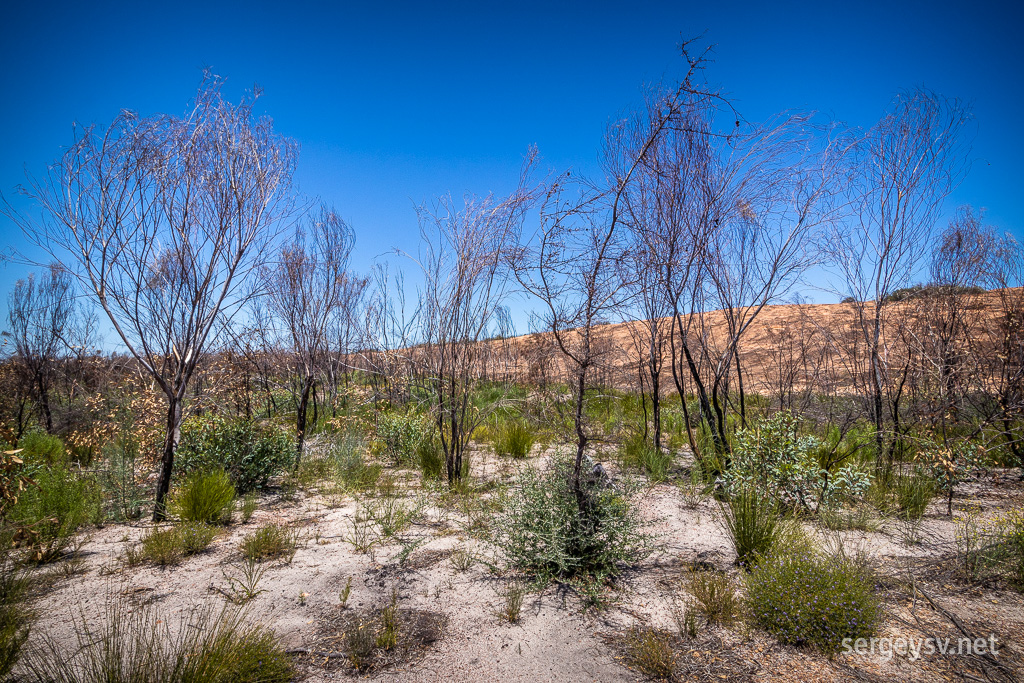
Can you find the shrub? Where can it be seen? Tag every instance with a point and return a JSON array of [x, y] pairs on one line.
[[804, 597], [543, 530], [206, 497], [270, 541], [248, 452], [636, 452], [40, 448], [137, 645], [771, 458], [401, 435], [50, 511], [753, 523], [714, 596], [513, 439]]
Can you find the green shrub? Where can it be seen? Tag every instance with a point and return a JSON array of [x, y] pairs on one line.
[[52, 509], [40, 448], [804, 597], [636, 452], [206, 497], [270, 541], [772, 458], [513, 439], [248, 452], [402, 435], [542, 529], [137, 645], [753, 523]]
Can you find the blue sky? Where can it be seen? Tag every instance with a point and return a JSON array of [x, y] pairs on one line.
[[397, 103]]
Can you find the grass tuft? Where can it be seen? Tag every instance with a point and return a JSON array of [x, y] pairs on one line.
[[270, 541]]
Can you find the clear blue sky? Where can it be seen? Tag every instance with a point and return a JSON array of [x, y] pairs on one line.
[[397, 103]]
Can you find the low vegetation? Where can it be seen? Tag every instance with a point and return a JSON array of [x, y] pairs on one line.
[[136, 645], [805, 597], [544, 530]]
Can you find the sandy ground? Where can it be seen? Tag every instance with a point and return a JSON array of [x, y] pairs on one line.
[[557, 638]]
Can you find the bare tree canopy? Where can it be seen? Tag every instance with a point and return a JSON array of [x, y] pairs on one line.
[[907, 165], [161, 220], [308, 286], [41, 313]]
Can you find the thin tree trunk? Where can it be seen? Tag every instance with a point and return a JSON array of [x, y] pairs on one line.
[[167, 461], [739, 380], [300, 420], [44, 402]]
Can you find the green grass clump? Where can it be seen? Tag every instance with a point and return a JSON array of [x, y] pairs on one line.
[[513, 439], [806, 598], [138, 646], [270, 541], [753, 523], [636, 452], [913, 493], [206, 497], [431, 459], [170, 545]]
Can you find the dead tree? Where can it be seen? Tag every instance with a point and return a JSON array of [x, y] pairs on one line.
[[306, 287], [41, 314], [463, 259], [905, 167], [575, 264], [162, 220]]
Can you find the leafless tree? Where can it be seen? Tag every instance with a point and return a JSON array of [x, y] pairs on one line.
[[162, 220], [41, 314], [306, 288], [576, 263], [347, 328], [665, 248], [464, 259], [906, 166]]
